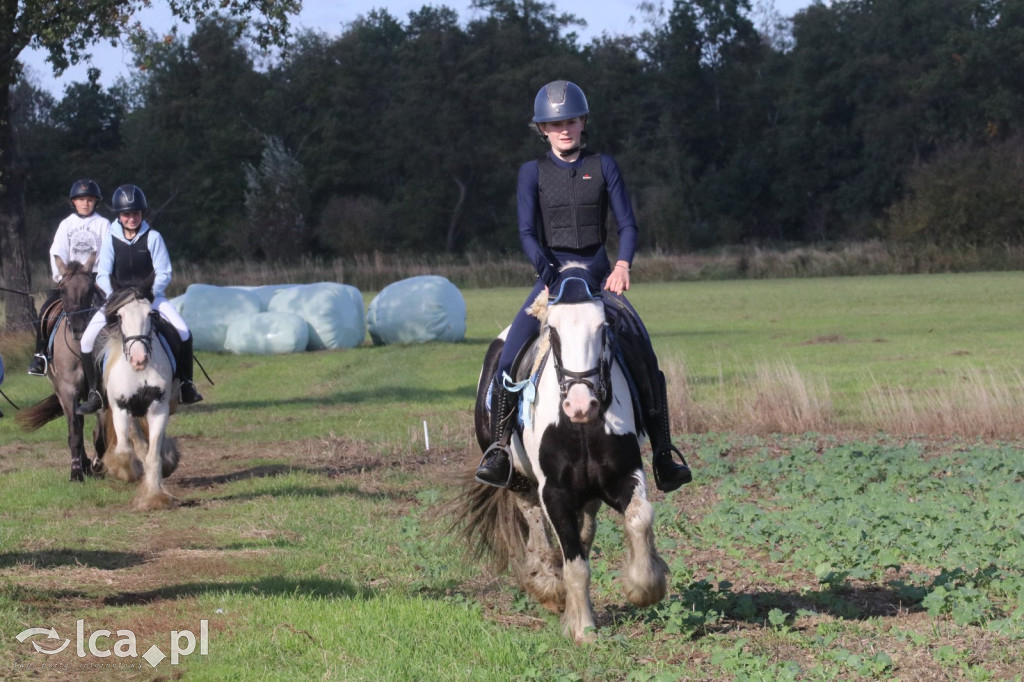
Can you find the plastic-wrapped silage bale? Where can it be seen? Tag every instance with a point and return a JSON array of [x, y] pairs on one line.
[[267, 334], [209, 310], [417, 310], [265, 292], [333, 311]]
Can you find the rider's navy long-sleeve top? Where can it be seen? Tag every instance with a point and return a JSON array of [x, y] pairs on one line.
[[547, 261]]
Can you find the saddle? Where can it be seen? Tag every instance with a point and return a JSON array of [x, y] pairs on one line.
[[50, 316], [48, 319], [628, 351]]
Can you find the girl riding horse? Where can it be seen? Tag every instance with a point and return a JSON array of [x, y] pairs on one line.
[[131, 252], [563, 200], [77, 238]]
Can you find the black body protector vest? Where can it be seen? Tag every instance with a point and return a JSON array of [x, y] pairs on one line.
[[133, 263], [573, 203]]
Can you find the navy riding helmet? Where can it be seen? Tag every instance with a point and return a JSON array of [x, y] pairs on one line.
[[559, 101]]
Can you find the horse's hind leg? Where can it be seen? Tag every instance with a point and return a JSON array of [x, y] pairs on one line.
[[99, 442], [540, 572], [121, 462], [588, 525], [76, 445], [645, 575], [578, 619]]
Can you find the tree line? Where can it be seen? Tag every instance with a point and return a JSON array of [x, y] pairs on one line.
[[893, 119]]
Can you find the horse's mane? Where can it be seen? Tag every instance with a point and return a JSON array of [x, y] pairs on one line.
[[119, 298]]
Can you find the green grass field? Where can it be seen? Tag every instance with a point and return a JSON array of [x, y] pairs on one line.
[[309, 538]]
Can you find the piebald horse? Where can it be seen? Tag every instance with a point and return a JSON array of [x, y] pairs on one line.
[[140, 396], [78, 297], [576, 446]]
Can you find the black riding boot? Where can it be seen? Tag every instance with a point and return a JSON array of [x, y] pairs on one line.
[[94, 401], [496, 467], [188, 394], [668, 474], [38, 365], [39, 361]]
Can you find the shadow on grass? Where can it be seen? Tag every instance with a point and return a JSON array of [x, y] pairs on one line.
[[271, 471], [699, 610], [268, 587], [383, 395], [88, 558]]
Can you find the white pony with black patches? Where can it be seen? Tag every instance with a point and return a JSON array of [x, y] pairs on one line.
[[139, 384], [577, 446]]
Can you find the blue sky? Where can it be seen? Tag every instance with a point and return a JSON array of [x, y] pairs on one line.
[[331, 16]]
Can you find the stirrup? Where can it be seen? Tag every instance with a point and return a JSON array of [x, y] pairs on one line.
[[187, 393], [45, 363], [677, 476], [87, 406], [495, 450]]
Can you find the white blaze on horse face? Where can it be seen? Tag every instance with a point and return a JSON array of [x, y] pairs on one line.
[[135, 326], [581, 337]]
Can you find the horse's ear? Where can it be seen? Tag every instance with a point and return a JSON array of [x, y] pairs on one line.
[[62, 267], [89, 262], [539, 307]]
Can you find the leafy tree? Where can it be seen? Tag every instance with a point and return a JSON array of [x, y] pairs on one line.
[[329, 101], [66, 31], [195, 122], [965, 196], [275, 200]]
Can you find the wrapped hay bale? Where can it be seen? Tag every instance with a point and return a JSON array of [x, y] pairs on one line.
[[265, 292], [417, 310], [334, 313], [209, 310], [267, 334]]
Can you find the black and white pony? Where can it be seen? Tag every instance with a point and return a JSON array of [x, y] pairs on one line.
[[140, 396], [576, 445]]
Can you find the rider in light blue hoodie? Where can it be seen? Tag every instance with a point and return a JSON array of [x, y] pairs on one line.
[[130, 253]]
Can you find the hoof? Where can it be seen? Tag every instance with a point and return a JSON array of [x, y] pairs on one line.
[[588, 636], [77, 476], [153, 502]]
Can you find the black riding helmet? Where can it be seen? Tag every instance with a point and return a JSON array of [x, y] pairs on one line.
[[85, 188], [128, 198]]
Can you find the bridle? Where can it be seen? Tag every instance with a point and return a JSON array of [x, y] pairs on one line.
[[145, 339], [600, 385], [71, 313]]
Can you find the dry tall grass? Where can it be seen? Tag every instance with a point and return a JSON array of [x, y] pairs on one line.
[[777, 399], [982, 404]]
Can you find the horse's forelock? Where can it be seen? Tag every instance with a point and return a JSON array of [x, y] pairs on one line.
[[119, 298]]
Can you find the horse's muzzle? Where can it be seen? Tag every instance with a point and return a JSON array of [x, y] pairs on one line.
[[580, 404]]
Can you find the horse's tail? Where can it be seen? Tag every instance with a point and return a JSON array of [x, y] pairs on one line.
[[42, 413], [488, 519]]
